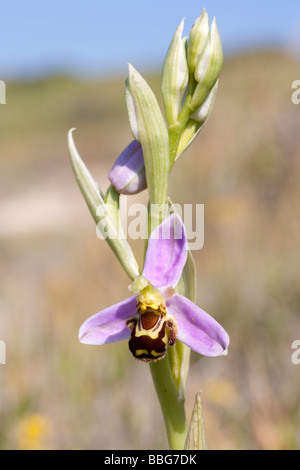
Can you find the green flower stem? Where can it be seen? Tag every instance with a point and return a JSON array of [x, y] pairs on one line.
[[171, 402], [170, 374], [169, 390], [176, 130]]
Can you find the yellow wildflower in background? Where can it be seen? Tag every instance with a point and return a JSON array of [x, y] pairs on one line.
[[34, 432]]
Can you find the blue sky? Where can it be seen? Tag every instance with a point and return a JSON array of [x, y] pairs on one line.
[[90, 37]]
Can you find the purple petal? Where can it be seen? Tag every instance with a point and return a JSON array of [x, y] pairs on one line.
[[166, 253], [128, 174], [109, 325], [196, 328]]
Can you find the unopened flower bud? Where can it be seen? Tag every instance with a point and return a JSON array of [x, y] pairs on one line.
[[174, 75], [198, 37], [128, 173], [201, 114], [208, 67]]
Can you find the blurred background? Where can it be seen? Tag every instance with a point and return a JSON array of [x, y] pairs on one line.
[[64, 65]]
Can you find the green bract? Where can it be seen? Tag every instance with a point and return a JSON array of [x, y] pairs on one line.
[[196, 121], [147, 121], [196, 438], [105, 211]]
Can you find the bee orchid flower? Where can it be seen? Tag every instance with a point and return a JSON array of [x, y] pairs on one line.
[[155, 316]]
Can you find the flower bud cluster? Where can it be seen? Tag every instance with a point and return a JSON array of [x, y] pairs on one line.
[[190, 80], [189, 83], [192, 64]]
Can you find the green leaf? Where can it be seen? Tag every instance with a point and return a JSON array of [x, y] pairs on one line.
[[153, 137], [196, 438], [105, 215]]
